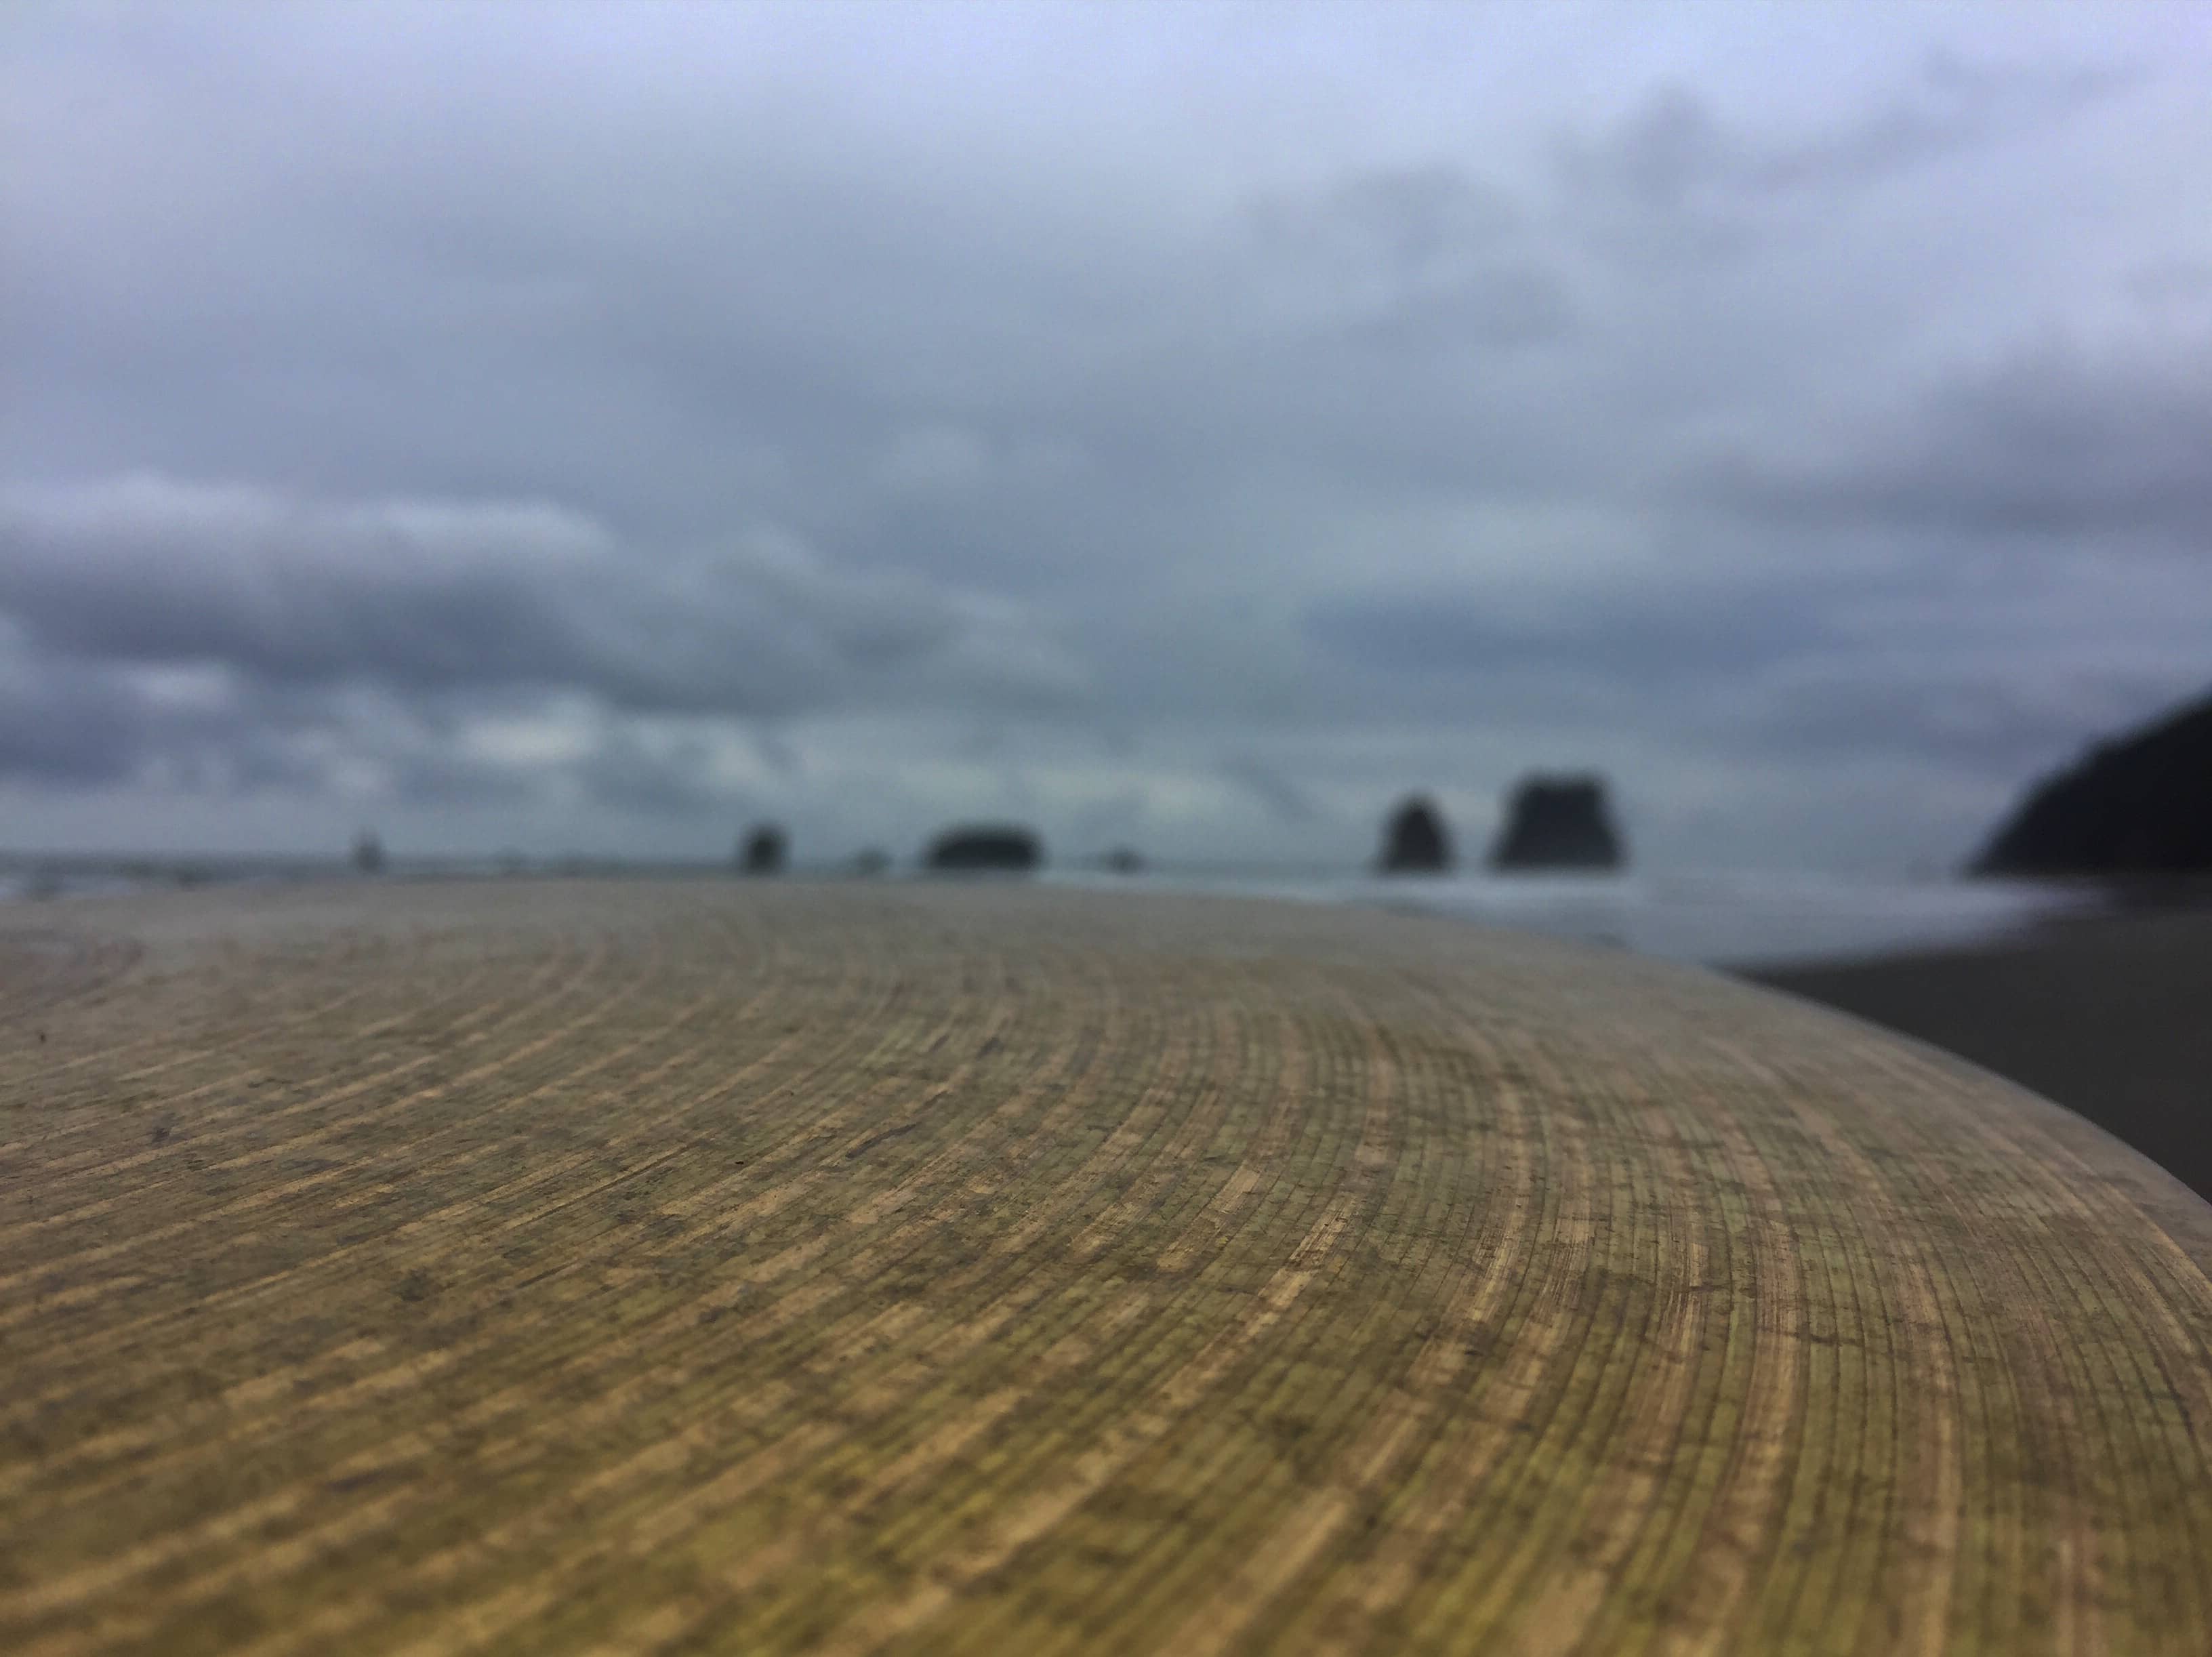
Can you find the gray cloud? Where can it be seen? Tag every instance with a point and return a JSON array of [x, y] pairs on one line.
[[1642, 639], [437, 777], [71, 731], [77, 725], [1284, 798], [777, 754], [2051, 441], [430, 597], [485, 421], [1675, 152], [1405, 258], [1964, 721], [669, 780]]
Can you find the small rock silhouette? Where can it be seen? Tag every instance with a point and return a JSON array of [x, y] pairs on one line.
[[369, 852], [763, 851], [1415, 842]]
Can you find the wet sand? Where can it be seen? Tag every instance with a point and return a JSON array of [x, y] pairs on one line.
[[2112, 1016]]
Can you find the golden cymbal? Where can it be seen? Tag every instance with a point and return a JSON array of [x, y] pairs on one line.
[[636, 1267]]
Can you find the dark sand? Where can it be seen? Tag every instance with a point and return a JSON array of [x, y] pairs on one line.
[[2110, 1017]]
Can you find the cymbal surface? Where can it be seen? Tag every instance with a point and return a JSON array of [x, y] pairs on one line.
[[637, 1267]]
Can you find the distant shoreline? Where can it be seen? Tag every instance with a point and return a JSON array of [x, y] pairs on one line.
[[1728, 919]]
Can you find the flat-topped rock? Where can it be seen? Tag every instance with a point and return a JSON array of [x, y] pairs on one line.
[[1557, 822], [988, 847]]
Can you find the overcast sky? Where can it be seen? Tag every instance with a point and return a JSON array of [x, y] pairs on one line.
[[1190, 426]]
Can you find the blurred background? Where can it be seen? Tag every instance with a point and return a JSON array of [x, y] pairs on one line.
[[563, 436]]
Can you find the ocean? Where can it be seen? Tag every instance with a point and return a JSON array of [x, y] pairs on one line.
[[1722, 918], [1727, 918]]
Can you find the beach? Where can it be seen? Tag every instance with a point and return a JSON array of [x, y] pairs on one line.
[[2110, 1016]]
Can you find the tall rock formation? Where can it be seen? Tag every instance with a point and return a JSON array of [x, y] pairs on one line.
[[1557, 822], [763, 851], [2141, 804], [1415, 840], [369, 852]]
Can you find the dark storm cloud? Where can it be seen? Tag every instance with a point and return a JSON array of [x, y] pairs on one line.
[[423, 597], [73, 725], [149, 574], [72, 730]]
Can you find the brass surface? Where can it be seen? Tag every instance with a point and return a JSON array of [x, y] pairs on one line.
[[534, 1267]]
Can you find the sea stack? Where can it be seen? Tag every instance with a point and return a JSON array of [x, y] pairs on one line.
[[1557, 822], [369, 852], [2139, 805], [763, 851], [1414, 841], [993, 846]]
